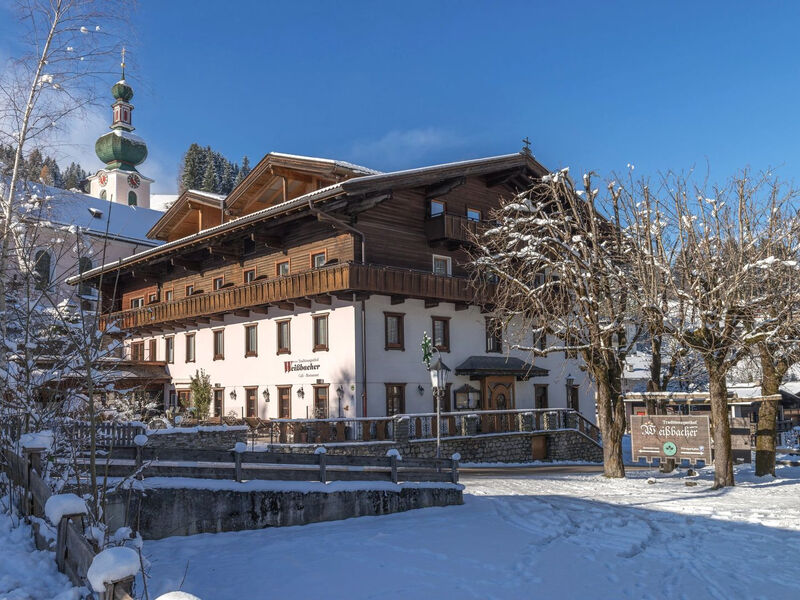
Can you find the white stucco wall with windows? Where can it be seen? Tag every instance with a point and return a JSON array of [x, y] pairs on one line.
[[340, 366]]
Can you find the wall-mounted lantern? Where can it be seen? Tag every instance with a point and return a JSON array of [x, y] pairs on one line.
[[265, 394]]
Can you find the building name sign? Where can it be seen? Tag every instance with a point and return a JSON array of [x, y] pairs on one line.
[[671, 436], [305, 367]]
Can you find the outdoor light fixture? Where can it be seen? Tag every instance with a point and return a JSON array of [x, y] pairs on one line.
[[438, 372], [340, 392], [233, 394], [265, 395], [301, 393], [420, 389], [570, 380]]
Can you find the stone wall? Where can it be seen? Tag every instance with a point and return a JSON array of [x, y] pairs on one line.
[[499, 447], [207, 438], [163, 512]]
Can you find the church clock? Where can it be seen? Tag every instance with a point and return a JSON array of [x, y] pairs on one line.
[[134, 181]]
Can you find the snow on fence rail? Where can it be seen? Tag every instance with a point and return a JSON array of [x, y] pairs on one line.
[[74, 552], [246, 466]]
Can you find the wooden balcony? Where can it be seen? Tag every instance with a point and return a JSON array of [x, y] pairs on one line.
[[452, 229], [300, 288]]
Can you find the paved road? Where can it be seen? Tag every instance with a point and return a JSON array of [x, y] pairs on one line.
[[538, 470]]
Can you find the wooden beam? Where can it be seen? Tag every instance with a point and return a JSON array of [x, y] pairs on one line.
[[285, 305], [242, 313], [260, 310], [194, 266], [397, 299], [503, 176], [204, 320], [304, 302], [344, 296], [357, 206], [219, 317], [462, 306], [224, 252], [323, 299], [270, 241], [443, 188], [431, 303]]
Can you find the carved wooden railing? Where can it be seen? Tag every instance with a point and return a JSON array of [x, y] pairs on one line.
[[315, 282]]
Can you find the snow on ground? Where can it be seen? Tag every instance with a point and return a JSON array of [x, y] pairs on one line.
[[524, 536], [26, 573]]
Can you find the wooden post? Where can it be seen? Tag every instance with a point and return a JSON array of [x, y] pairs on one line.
[[119, 589], [322, 461], [61, 543], [454, 471], [393, 462], [138, 457], [237, 459]]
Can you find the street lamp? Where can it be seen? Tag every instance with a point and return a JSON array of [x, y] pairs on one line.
[[438, 372]]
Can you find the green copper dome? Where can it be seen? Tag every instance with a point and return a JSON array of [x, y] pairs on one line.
[[122, 91], [121, 149]]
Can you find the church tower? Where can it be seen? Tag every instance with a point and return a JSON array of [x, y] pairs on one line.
[[121, 151]]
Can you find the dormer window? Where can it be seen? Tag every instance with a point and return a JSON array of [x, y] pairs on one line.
[[96, 213]]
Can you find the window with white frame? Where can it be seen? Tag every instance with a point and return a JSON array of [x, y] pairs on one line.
[[442, 265]]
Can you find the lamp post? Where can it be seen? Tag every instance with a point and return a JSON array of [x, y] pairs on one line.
[[438, 372]]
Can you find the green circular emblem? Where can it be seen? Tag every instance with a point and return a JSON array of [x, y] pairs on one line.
[[670, 449]]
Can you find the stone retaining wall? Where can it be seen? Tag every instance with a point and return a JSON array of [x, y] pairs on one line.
[[208, 438], [164, 512], [499, 447]]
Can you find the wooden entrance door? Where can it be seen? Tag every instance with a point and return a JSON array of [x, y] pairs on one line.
[[498, 393]]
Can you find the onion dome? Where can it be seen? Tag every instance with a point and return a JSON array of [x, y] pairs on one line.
[[121, 149], [122, 91]]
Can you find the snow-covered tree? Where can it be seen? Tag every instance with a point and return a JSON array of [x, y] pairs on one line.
[[708, 251], [558, 262]]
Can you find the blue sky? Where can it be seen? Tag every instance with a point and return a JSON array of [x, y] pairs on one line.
[[595, 85]]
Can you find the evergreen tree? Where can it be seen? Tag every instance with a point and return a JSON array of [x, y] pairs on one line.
[[242, 171], [209, 183], [191, 169], [226, 180], [34, 165], [73, 177]]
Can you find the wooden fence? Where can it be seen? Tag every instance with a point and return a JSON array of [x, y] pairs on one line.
[[74, 553], [272, 466]]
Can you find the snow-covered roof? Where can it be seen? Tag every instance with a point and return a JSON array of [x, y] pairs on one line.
[[339, 163], [210, 195], [100, 217]]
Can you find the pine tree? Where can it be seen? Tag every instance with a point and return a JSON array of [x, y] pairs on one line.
[[73, 177], [191, 171], [34, 165], [209, 183], [226, 181]]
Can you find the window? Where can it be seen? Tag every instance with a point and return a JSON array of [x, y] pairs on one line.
[[539, 338], [184, 398], [137, 350], [473, 214], [320, 333], [189, 347], [84, 289], [41, 268], [189, 290], [137, 302], [494, 336], [131, 198], [321, 402], [540, 396], [169, 295], [467, 397], [169, 349], [250, 276], [395, 399], [436, 208], [441, 333], [442, 265], [284, 336], [218, 283], [318, 260], [251, 401], [285, 402], [393, 326], [153, 350], [282, 268], [219, 402], [219, 344], [152, 298], [573, 400], [251, 340], [173, 400]]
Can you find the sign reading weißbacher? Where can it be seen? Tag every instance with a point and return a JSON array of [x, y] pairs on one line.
[[671, 436]]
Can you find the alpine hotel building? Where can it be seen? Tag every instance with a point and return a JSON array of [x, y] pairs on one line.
[[306, 292]]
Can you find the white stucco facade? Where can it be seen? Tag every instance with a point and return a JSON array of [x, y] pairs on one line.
[[340, 367]]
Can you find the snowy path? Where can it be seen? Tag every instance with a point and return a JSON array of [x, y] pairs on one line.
[[572, 536], [25, 573]]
